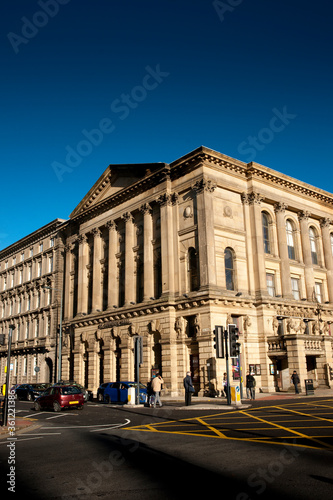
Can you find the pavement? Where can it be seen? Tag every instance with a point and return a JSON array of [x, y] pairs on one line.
[[177, 402]]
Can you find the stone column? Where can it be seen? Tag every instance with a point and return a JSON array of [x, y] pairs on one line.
[[82, 306], [113, 292], [326, 234], [257, 246], [166, 202], [130, 284], [283, 249], [303, 218], [68, 296], [148, 257], [97, 298], [206, 234]]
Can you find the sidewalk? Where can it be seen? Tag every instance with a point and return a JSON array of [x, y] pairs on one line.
[[178, 403]]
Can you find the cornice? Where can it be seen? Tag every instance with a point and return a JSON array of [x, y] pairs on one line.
[[32, 238], [256, 171]]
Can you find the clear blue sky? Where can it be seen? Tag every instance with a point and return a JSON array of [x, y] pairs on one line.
[[158, 79]]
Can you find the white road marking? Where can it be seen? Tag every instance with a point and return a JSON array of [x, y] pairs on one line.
[[56, 416], [110, 426]]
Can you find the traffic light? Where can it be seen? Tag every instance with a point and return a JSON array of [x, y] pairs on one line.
[[233, 341], [218, 341]]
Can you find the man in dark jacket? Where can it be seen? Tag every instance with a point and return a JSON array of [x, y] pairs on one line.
[[295, 380], [188, 386], [250, 386]]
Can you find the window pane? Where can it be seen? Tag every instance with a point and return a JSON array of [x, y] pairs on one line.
[[290, 240], [265, 232], [295, 288], [229, 269], [270, 284], [318, 292], [313, 246]]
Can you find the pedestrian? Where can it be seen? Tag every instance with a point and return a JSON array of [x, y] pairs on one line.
[[188, 386], [295, 380], [250, 386], [156, 385], [225, 385], [150, 392]]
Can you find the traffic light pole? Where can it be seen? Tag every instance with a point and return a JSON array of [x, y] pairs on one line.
[[227, 366]]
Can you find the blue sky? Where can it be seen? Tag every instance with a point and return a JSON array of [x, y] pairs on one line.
[[89, 83]]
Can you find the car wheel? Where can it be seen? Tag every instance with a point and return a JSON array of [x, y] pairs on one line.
[[56, 406], [29, 396], [37, 406], [100, 397], [80, 407], [107, 399]]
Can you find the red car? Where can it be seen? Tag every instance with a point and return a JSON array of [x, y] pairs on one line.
[[59, 397]]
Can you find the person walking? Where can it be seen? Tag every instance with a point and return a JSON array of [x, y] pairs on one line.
[[250, 386], [225, 385], [156, 386], [188, 386], [295, 380]]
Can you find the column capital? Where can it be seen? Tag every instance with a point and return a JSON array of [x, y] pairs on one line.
[[127, 217], [325, 222], [68, 247], [303, 215], [253, 198], [111, 225], [82, 238], [280, 207], [204, 185], [96, 232], [146, 209], [168, 199]]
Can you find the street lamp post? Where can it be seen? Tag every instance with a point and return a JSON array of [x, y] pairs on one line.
[[60, 327]]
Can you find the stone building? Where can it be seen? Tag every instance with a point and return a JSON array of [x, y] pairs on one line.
[[169, 251], [26, 268]]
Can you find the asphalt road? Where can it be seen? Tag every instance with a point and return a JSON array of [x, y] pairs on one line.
[[272, 450]]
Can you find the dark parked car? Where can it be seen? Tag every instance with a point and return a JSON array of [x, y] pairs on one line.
[[117, 392], [29, 392], [60, 396]]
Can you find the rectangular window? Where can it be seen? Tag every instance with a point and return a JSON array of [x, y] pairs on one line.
[[295, 288], [319, 292], [270, 282]]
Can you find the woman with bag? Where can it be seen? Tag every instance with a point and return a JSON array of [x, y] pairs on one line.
[[189, 389]]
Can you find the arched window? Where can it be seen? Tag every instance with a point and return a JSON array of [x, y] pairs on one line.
[[313, 245], [266, 232], [193, 275], [229, 269], [290, 239]]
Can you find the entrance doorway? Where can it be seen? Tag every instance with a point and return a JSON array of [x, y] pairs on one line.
[[281, 375]]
